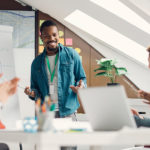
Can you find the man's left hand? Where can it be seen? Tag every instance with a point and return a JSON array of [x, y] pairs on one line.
[[76, 88]]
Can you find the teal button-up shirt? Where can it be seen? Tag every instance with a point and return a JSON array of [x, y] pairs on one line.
[[70, 72]]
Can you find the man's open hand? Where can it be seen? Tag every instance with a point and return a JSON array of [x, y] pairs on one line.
[[76, 88]]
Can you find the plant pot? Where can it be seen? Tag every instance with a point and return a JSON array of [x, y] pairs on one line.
[[113, 84]]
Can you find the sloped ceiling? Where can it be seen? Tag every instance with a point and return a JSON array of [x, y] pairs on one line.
[[142, 8], [143, 5], [60, 9]]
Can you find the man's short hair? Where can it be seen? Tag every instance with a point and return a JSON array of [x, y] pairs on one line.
[[148, 49], [47, 23]]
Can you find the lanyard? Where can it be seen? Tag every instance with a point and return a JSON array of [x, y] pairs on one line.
[[49, 68]]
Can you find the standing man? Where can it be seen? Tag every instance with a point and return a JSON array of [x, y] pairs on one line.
[[57, 72]]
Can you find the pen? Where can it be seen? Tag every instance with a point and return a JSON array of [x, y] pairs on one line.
[[47, 102], [141, 112], [38, 102], [52, 108], [43, 108], [37, 106]]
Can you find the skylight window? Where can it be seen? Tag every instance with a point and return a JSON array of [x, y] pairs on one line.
[[108, 35], [122, 11]]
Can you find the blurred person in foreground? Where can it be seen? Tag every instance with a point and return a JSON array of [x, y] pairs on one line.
[[145, 122], [7, 89]]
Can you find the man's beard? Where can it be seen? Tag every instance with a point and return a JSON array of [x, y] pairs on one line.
[[52, 49]]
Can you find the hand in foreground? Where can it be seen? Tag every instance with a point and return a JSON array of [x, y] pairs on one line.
[[76, 88], [143, 94], [29, 92], [134, 111], [8, 88]]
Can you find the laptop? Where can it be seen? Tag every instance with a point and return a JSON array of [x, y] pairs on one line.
[[107, 108]]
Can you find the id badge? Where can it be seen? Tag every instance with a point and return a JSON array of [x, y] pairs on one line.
[[51, 88]]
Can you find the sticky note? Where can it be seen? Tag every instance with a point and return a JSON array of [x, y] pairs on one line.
[[61, 40], [41, 21], [81, 58], [40, 41], [61, 33], [41, 48], [78, 50], [69, 41]]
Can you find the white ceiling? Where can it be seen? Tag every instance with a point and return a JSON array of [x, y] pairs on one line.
[[144, 5], [60, 9]]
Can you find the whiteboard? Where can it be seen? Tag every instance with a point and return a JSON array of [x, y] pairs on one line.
[[23, 61], [10, 113]]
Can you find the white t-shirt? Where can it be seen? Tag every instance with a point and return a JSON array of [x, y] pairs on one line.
[[54, 97]]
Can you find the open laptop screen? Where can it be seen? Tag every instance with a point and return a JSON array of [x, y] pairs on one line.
[[107, 108]]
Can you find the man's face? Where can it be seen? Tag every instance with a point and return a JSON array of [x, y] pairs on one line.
[[50, 38], [149, 60]]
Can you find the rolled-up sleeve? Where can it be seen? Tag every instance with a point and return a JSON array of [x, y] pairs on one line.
[[78, 70], [33, 85]]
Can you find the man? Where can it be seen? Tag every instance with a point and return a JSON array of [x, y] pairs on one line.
[[57, 72], [7, 89]]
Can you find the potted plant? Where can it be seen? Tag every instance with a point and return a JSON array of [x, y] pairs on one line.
[[107, 68]]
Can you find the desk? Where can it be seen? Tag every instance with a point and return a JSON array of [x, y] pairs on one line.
[[49, 140]]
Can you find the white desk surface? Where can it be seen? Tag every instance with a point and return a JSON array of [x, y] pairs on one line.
[[50, 140], [123, 137]]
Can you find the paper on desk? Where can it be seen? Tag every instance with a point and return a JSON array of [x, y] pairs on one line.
[[65, 124]]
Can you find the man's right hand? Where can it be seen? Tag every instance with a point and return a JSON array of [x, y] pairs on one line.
[[29, 92]]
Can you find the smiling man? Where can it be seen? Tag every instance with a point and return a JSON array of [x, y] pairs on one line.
[[57, 72]]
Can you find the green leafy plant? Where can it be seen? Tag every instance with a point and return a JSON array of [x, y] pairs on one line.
[[107, 68]]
